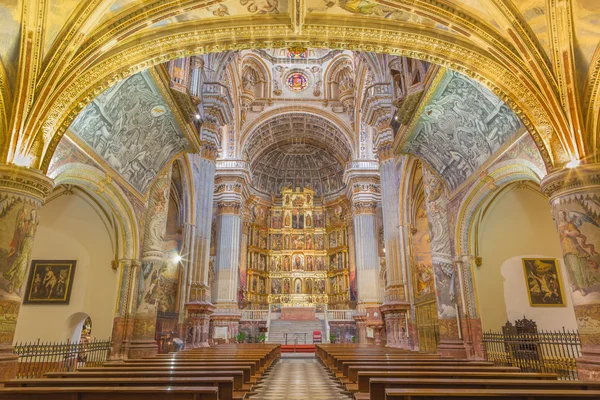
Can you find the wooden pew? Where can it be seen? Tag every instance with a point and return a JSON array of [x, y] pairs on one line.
[[238, 376], [112, 393], [254, 369], [378, 386], [364, 377], [213, 368], [224, 384], [354, 370], [384, 364], [489, 394]]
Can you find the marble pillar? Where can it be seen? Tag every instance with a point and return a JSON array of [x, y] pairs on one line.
[[364, 193], [197, 304], [125, 312], [231, 192], [444, 271], [395, 306], [22, 193], [575, 197], [143, 341]]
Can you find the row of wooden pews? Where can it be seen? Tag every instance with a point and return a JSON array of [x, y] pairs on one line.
[[226, 372], [378, 373]]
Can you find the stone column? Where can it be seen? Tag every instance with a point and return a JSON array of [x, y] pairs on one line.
[[231, 192], [471, 322], [22, 193], [143, 341], [444, 271], [395, 305], [126, 303], [198, 306], [364, 192], [574, 195]]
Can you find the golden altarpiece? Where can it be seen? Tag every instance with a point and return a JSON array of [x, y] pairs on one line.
[[298, 255]]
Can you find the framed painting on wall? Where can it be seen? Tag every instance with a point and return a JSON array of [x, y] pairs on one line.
[[50, 282], [544, 286]]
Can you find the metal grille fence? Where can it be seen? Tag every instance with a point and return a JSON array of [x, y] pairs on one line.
[[35, 359], [554, 352]]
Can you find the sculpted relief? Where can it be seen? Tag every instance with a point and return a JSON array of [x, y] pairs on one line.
[[461, 126], [131, 127]]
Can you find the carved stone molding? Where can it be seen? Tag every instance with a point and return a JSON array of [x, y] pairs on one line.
[[29, 184], [571, 181], [364, 207], [229, 207]]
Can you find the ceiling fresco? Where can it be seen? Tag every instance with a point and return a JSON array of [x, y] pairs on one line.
[[131, 127], [10, 34], [296, 165], [460, 126]]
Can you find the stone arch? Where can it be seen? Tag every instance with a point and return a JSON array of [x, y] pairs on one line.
[[542, 116], [100, 184], [498, 177]]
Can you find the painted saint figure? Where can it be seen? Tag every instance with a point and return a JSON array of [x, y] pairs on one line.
[[20, 249]]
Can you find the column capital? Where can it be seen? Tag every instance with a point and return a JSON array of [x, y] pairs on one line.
[[229, 207], [571, 181], [364, 207], [27, 183], [208, 152], [125, 262]]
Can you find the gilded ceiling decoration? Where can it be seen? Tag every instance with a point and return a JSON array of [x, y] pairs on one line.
[[69, 53], [295, 166], [459, 127], [131, 127]]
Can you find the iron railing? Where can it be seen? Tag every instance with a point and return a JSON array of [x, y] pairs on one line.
[[295, 338], [544, 351], [38, 358]]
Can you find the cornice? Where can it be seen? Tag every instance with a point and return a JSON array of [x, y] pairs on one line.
[[27, 183], [566, 181]]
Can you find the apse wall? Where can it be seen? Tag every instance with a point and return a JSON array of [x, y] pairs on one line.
[[70, 229], [518, 224]]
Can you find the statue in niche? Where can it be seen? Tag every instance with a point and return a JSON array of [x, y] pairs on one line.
[[287, 221], [319, 263], [319, 242], [309, 286], [274, 264], [286, 242], [308, 200], [308, 241], [309, 263], [321, 286], [298, 285], [254, 284], [308, 220], [262, 262], [333, 262], [286, 263], [286, 286], [287, 202]]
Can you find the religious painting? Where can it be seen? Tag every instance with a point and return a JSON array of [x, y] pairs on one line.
[[298, 53], [333, 263], [423, 264], [318, 220], [297, 261], [276, 220], [319, 242], [298, 201], [319, 264], [297, 220], [321, 286], [50, 282], [332, 240], [263, 239], [287, 220], [308, 243], [287, 242], [544, 286], [169, 277], [277, 241], [298, 242], [276, 286]]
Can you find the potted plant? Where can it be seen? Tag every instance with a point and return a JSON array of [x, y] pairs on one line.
[[332, 338], [262, 337], [353, 339], [240, 337]]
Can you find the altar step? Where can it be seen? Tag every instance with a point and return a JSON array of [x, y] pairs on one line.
[[298, 332], [301, 348]]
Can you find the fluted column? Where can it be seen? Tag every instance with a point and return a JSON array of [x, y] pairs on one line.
[[22, 193], [197, 305], [445, 274], [364, 192], [231, 192], [143, 341], [574, 195]]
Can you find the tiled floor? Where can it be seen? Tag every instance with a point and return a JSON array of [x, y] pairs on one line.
[[299, 379]]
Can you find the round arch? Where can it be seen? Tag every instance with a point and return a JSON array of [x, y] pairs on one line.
[[500, 70], [99, 184]]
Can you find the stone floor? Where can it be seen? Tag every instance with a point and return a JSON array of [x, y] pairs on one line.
[[299, 379]]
